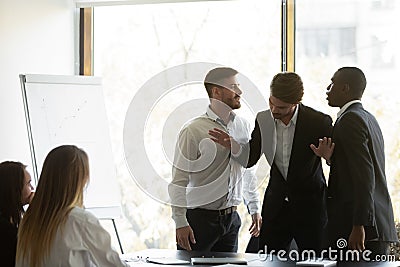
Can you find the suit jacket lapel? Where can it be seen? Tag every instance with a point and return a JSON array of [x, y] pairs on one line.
[[270, 143]]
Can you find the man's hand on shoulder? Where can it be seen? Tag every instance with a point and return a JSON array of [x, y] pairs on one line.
[[183, 236], [255, 225], [222, 138]]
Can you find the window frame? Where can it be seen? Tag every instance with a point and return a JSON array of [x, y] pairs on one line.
[[288, 31]]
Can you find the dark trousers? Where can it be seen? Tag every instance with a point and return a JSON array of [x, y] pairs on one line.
[[214, 232], [278, 233], [377, 248], [341, 229]]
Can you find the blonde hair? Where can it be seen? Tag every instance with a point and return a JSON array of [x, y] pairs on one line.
[[64, 175]]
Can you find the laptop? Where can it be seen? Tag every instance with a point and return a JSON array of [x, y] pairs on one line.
[[216, 261]]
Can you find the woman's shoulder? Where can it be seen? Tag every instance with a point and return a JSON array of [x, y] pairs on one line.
[[81, 215]]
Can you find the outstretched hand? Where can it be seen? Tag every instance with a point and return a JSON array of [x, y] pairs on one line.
[[325, 148], [222, 138]]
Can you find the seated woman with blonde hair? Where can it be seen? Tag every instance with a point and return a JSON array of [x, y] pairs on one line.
[[15, 192], [56, 230]]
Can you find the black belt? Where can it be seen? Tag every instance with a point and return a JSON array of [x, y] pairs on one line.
[[221, 212]]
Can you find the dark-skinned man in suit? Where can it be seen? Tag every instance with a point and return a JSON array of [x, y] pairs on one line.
[[359, 204]]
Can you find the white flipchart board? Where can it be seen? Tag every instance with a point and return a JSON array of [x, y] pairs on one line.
[[70, 110]]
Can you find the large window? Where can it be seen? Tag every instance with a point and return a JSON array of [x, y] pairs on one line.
[[132, 43], [354, 33], [135, 42]]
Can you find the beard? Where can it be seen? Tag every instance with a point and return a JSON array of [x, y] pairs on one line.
[[277, 115], [234, 103]]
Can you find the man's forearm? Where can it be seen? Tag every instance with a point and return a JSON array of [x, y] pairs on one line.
[[179, 217]]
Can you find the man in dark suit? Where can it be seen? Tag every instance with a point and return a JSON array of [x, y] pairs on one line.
[[359, 205], [294, 201]]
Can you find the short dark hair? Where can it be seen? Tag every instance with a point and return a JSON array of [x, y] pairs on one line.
[[214, 77], [288, 87], [355, 78], [12, 179]]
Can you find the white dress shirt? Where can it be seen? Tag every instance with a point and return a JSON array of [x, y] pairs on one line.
[[204, 175], [83, 242], [284, 142], [346, 106]]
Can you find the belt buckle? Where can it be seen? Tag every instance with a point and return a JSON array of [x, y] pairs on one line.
[[226, 211], [221, 212]]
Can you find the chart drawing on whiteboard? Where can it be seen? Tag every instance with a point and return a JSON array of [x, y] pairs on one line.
[[70, 110]]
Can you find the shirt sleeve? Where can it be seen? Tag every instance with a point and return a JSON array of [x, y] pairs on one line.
[[250, 152], [250, 193], [186, 151], [98, 242]]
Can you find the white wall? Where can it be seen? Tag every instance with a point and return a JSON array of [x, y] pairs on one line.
[[36, 36]]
